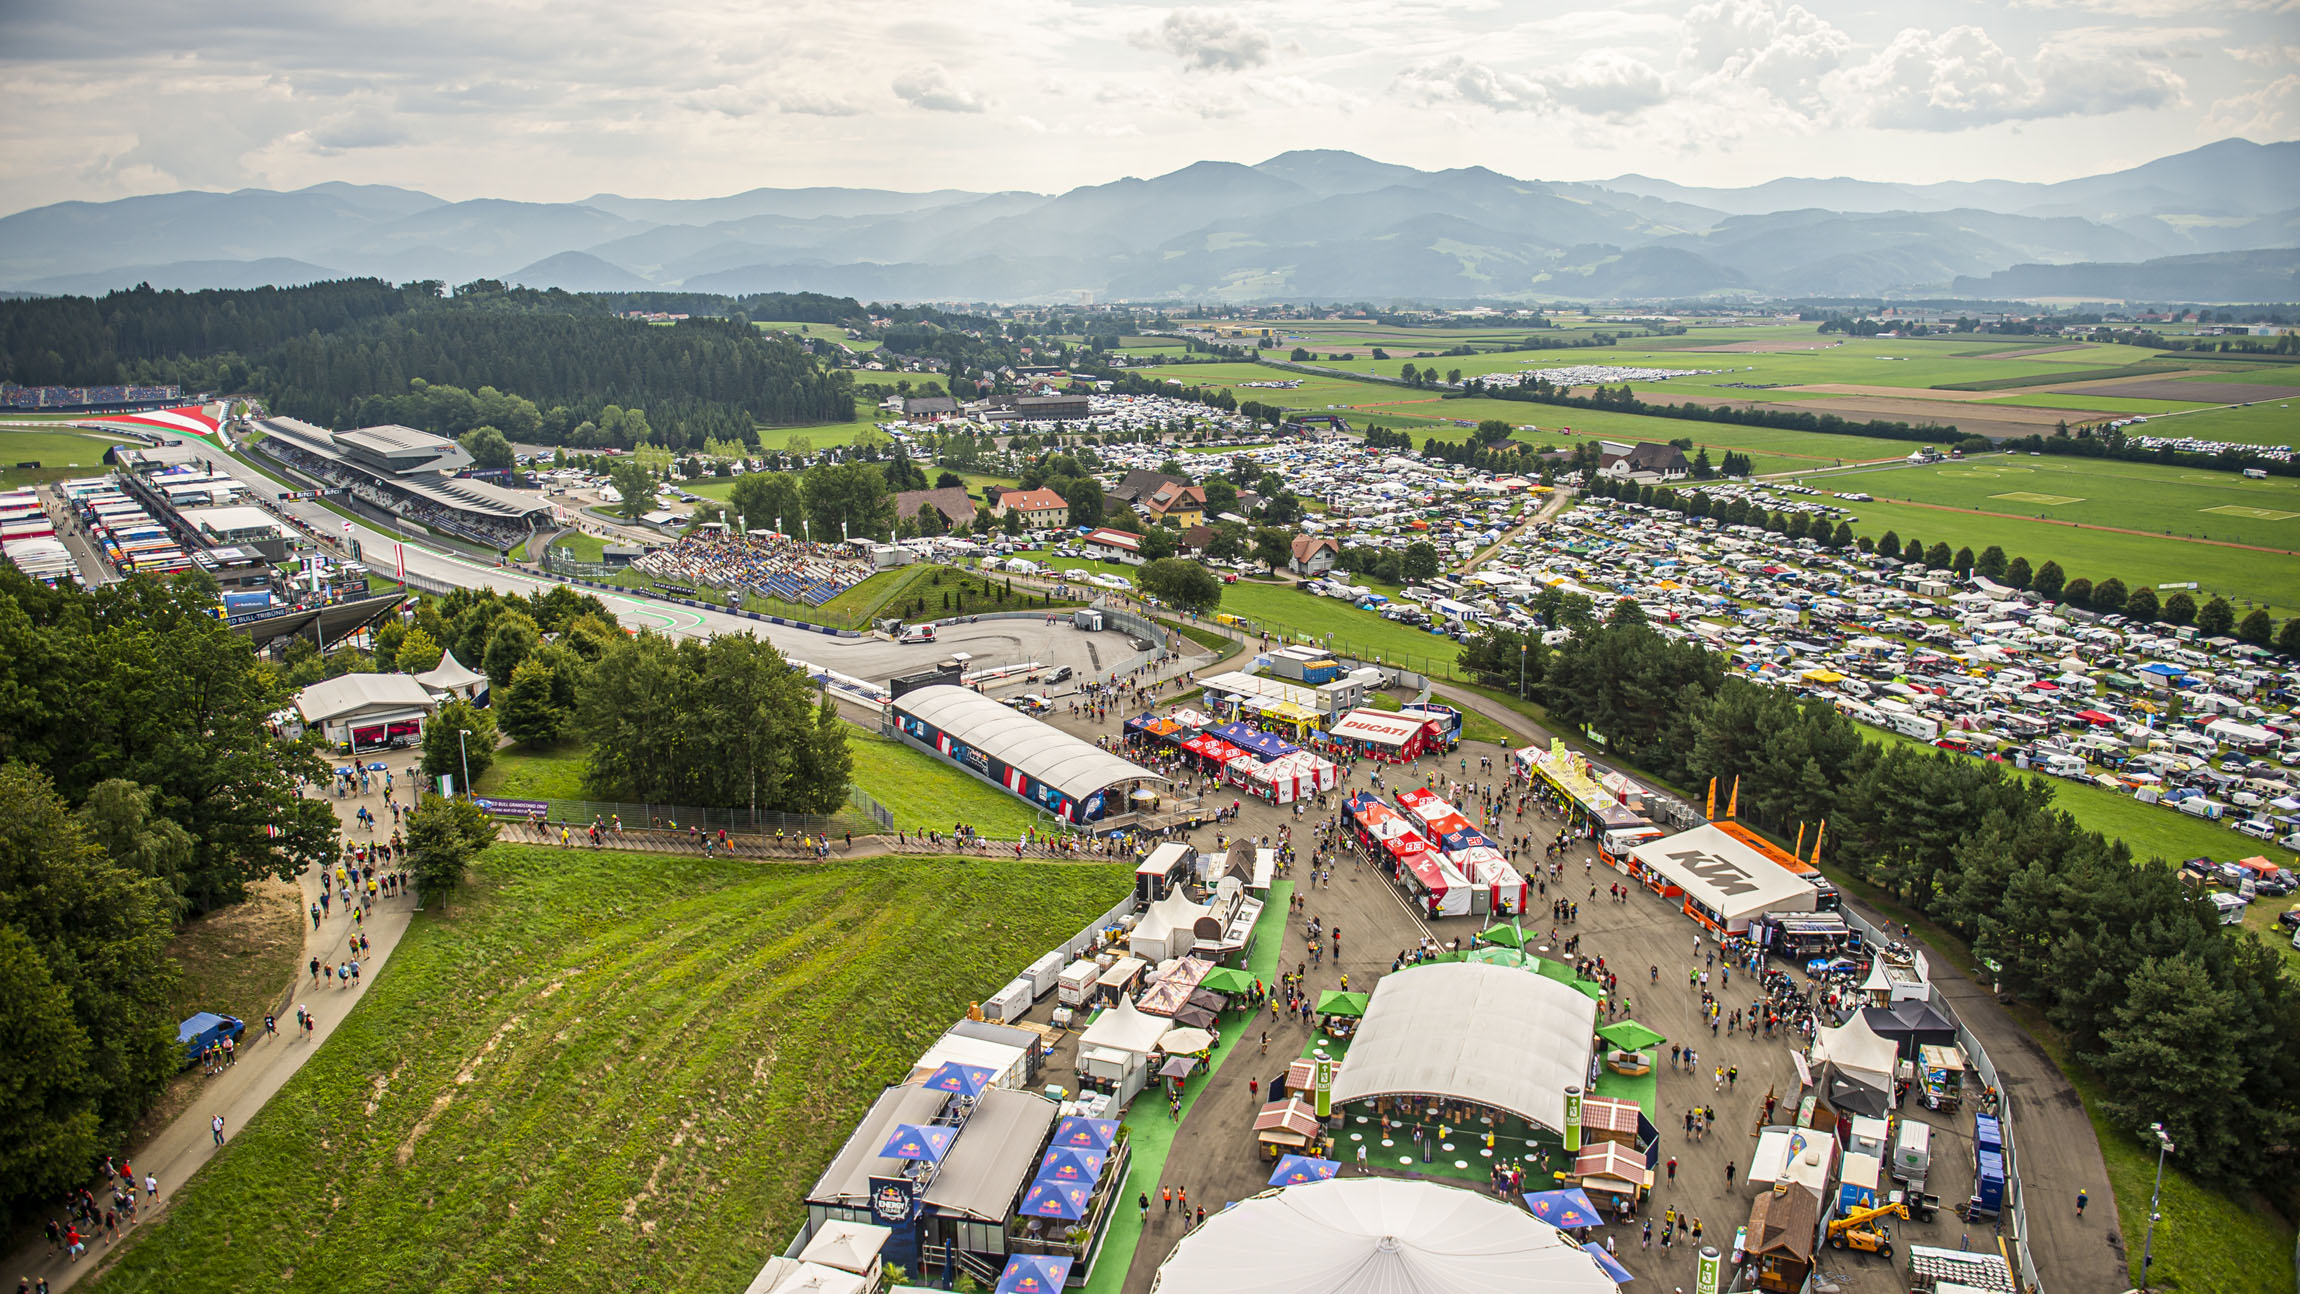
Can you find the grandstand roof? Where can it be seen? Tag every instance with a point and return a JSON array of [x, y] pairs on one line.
[[1072, 766], [460, 493]]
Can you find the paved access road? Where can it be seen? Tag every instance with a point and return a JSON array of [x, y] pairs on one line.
[[994, 642]]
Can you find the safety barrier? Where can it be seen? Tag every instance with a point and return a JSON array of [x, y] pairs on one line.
[[2013, 1220]]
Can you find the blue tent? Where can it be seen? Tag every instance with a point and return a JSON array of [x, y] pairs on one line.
[[929, 1142], [1064, 1200], [958, 1079], [1063, 1164], [1293, 1170], [1033, 1274]]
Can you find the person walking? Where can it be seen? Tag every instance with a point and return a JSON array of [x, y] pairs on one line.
[[1145, 1203], [1166, 1198], [216, 1126], [2082, 1197], [1729, 1167]]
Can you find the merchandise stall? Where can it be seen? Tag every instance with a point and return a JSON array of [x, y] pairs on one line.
[[1723, 883]]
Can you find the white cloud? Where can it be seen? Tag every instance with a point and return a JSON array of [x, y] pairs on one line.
[[364, 127], [2266, 55], [1607, 84], [930, 86], [2270, 112], [1208, 40], [1455, 79], [1782, 50], [815, 103], [1960, 78]]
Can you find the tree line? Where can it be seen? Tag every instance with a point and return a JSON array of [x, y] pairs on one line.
[[1624, 400], [2184, 1024], [363, 350], [141, 784], [2216, 616]]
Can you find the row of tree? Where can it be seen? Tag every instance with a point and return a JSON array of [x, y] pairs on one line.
[[141, 784], [1625, 400], [2185, 1024]]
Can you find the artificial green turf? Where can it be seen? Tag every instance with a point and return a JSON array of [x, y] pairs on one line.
[[1150, 1130], [625, 1066]]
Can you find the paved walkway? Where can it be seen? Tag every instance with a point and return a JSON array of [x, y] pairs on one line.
[[263, 1064]]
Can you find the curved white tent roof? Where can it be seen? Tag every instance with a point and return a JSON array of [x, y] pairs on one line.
[[1073, 766], [1377, 1235], [1495, 1035], [1857, 1049]]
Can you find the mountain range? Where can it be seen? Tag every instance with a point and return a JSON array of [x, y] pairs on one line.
[[1307, 225]]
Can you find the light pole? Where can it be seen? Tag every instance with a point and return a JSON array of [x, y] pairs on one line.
[[1521, 670], [464, 753], [2148, 1244]]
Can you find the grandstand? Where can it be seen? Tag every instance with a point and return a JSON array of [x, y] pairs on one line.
[[407, 473], [770, 565], [75, 398]]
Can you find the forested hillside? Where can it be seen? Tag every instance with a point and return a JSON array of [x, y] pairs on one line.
[[353, 351]]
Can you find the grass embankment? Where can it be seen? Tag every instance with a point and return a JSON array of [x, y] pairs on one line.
[[630, 1067], [522, 772], [923, 792], [928, 794], [581, 546]]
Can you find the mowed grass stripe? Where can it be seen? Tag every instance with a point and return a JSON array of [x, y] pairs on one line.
[[652, 1121]]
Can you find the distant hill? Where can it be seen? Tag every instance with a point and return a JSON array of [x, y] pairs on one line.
[[188, 276], [1318, 224], [2218, 276]]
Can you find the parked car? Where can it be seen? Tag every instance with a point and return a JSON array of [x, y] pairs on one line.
[[198, 1033]]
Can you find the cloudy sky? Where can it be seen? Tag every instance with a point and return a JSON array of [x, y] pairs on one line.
[[551, 100]]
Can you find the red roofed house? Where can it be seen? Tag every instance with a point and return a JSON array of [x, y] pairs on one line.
[[1040, 508]]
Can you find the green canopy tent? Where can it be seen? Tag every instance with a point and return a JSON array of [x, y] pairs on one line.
[[1499, 957], [1590, 987], [1336, 1002], [1629, 1035], [1509, 936], [1226, 979], [1556, 970]]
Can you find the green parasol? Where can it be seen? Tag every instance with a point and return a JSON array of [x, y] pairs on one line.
[[1336, 1002], [1225, 979], [1629, 1035]]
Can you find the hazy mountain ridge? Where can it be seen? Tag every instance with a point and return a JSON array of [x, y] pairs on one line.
[[1310, 224]]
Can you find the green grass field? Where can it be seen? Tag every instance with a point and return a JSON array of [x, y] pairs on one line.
[[630, 1067], [1426, 413], [55, 455], [581, 545], [2107, 493], [926, 793], [820, 332], [521, 772], [2273, 421]]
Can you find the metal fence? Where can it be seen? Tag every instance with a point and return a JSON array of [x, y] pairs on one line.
[[2013, 1221], [863, 816]]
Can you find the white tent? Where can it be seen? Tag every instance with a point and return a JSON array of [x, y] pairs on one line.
[[1374, 1235], [1856, 1064], [1724, 878], [1469, 1031], [1124, 1028], [1168, 929], [785, 1276], [848, 1246]]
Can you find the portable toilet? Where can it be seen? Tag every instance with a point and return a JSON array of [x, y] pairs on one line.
[[1989, 1182], [1913, 1151], [1988, 1133]]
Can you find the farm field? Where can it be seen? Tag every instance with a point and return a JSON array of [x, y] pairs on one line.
[[628, 1066], [2098, 493], [1428, 413], [2259, 424], [821, 332], [2263, 375]]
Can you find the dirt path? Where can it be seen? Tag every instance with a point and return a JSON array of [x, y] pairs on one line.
[[2083, 525], [264, 1064], [1550, 507]]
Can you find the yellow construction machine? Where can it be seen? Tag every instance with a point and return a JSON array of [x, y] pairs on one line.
[[1853, 1230]]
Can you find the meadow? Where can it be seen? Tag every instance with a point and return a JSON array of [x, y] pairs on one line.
[[53, 455], [820, 332], [626, 1066], [2265, 423], [925, 793], [2113, 499]]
